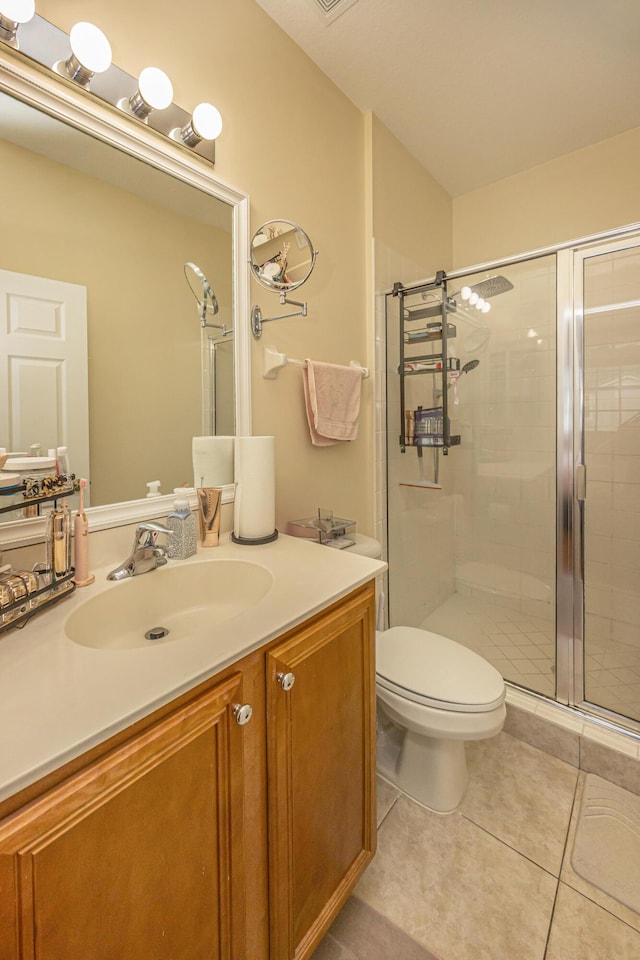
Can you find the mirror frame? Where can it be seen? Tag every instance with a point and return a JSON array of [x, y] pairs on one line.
[[65, 101]]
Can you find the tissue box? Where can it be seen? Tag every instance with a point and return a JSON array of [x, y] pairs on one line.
[[325, 529]]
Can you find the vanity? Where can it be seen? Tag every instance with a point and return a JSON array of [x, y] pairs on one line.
[[210, 795], [206, 792]]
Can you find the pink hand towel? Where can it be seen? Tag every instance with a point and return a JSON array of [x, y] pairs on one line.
[[332, 401]]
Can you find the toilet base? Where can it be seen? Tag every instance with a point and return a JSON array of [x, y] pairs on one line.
[[429, 770]]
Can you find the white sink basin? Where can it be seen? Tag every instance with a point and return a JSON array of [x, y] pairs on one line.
[[184, 600]]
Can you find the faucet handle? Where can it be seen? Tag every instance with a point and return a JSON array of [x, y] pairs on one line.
[[152, 528]]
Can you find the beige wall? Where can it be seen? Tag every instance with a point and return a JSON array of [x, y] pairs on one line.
[[143, 327], [295, 144], [411, 218], [591, 190], [412, 213]]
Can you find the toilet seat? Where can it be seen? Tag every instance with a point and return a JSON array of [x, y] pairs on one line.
[[437, 672]]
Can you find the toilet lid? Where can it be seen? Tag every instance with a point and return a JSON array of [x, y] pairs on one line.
[[431, 669]]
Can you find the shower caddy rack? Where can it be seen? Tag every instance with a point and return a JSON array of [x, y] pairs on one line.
[[430, 364]]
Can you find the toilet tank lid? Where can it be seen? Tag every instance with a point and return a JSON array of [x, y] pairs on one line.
[[433, 666]]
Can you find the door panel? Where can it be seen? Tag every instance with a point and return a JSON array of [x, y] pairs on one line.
[[609, 551], [43, 367]]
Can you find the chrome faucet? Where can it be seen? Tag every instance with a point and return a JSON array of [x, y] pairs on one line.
[[146, 554]]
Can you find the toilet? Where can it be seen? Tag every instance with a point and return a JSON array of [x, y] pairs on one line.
[[433, 694]]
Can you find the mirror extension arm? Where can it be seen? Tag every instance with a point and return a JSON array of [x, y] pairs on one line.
[[257, 319]]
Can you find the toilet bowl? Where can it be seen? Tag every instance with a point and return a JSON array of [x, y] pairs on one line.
[[433, 695]]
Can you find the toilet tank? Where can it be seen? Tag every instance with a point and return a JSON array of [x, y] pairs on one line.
[[368, 547]]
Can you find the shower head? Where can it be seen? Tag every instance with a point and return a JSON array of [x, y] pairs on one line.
[[491, 286], [470, 365], [478, 294]]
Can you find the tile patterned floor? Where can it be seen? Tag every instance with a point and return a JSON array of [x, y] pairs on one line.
[[492, 881], [521, 646]]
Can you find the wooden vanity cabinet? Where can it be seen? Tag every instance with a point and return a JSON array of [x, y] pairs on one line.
[[154, 846], [321, 762], [140, 855]]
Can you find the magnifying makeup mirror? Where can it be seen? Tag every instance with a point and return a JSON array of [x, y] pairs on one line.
[[282, 259], [205, 297]]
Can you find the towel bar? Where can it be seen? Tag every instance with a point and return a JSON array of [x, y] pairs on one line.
[[274, 360]]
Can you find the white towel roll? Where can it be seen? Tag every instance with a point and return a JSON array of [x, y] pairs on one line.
[[254, 509], [212, 461]]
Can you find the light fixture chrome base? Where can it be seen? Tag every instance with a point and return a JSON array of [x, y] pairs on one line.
[[72, 69], [9, 31], [125, 105]]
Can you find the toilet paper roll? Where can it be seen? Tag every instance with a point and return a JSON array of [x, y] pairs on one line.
[[212, 461], [254, 509]]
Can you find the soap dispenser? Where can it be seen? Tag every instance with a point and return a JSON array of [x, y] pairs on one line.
[[183, 525]]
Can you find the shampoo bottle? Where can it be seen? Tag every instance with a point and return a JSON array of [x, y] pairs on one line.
[[183, 525]]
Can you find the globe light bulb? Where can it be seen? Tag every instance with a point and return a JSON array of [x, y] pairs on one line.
[[155, 88], [205, 124], [90, 47], [19, 11], [12, 14], [465, 293], [90, 54], [207, 121], [155, 92]]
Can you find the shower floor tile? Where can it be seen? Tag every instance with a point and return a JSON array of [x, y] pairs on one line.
[[521, 647], [518, 645]]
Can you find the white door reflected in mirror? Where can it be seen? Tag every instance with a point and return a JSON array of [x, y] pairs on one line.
[[43, 367]]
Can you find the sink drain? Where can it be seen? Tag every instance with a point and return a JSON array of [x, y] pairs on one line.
[[157, 633]]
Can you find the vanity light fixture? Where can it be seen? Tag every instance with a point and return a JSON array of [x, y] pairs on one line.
[[89, 66], [155, 92], [12, 14], [90, 54], [205, 124]]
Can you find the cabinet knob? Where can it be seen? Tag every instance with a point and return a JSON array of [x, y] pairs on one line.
[[243, 713], [286, 680]]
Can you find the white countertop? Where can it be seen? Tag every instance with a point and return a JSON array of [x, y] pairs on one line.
[[59, 698]]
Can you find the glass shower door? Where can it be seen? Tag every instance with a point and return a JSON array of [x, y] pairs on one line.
[[608, 501]]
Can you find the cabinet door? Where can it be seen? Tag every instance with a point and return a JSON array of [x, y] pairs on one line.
[[139, 856], [321, 762]]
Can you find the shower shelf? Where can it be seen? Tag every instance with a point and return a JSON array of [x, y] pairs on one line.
[[429, 333], [439, 331], [454, 441]]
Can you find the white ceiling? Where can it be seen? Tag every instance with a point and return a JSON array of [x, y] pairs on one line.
[[479, 90]]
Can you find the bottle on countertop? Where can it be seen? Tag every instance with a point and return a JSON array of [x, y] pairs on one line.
[[59, 541], [182, 522]]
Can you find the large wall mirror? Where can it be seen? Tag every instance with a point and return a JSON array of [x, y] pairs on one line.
[[101, 216]]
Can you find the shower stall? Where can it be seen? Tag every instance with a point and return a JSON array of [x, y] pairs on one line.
[[513, 468]]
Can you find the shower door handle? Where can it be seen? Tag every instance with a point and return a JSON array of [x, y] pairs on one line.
[[581, 482]]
